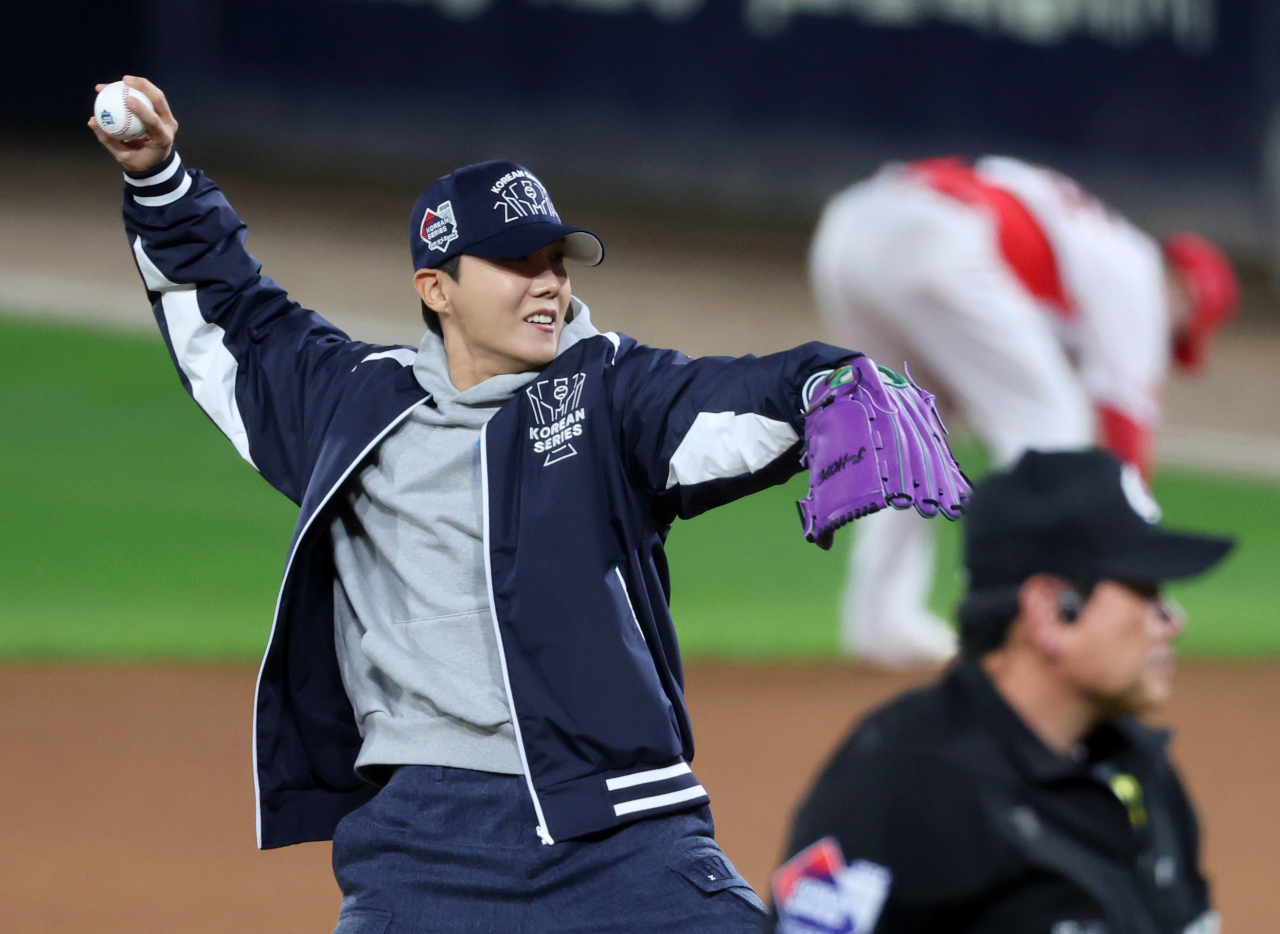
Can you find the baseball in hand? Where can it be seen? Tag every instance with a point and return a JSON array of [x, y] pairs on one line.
[[116, 120]]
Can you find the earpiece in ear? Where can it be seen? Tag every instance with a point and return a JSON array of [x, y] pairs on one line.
[[1069, 606]]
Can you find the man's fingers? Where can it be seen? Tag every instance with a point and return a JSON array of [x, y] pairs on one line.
[[115, 144], [110, 142], [155, 143], [154, 94], [149, 118]]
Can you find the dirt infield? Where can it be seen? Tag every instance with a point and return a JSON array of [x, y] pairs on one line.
[[128, 796]]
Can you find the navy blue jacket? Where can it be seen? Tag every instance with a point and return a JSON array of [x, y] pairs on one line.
[[583, 474]]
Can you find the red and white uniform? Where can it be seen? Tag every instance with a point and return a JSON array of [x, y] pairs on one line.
[[1022, 301]]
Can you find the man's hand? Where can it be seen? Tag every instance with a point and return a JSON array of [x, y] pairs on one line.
[[152, 147]]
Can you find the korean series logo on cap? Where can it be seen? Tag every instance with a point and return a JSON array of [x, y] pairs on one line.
[[439, 227], [492, 210], [520, 194]]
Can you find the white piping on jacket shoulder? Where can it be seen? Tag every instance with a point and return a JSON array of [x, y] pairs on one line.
[[720, 445], [202, 356], [405, 355], [543, 833], [275, 618]]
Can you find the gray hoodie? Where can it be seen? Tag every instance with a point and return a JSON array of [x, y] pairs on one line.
[[415, 638]]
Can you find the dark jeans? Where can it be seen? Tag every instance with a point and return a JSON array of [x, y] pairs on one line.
[[444, 850]]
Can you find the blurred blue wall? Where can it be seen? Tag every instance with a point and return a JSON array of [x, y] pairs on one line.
[[1162, 106], [54, 51]]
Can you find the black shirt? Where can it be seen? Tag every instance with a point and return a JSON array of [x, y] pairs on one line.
[[985, 829]]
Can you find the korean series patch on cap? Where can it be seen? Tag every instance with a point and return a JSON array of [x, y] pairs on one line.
[[439, 227], [816, 893], [492, 210]]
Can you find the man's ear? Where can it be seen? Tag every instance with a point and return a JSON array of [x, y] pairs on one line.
[[430, 286], [1039, 613]]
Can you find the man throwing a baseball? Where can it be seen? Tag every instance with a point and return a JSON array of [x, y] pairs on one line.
[[472, 682]]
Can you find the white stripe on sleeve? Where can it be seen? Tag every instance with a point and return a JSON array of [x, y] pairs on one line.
[[202, 356], [159, 201], [159, 178], [719, 445]]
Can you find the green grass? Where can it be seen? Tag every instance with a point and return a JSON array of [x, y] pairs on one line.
[[130, 525], [746, 584], [131, 529], [778, 595]]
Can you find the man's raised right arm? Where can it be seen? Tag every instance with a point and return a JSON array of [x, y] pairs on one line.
[[265, 370]]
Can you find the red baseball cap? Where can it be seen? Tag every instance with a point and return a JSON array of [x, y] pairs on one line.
[[1212, 289]]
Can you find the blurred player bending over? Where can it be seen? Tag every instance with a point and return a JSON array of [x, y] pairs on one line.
[[472, 683], [1046, 319]]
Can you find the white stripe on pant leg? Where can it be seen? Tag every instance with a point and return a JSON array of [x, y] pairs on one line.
[[889, 580]]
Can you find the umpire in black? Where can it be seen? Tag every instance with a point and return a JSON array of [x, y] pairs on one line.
[[1019, 794]]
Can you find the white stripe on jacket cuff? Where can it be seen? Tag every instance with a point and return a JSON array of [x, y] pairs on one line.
[[160, 173], [157, 201], [165, 183]]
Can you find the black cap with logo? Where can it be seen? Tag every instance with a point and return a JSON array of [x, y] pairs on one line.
[[494, 210], [1079, 515]]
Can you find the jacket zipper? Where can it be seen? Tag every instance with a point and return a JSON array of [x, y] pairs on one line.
[[543, 833], [617, 569], [284, 582]]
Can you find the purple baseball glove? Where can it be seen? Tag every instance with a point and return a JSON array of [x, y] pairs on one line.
[[874, 439]]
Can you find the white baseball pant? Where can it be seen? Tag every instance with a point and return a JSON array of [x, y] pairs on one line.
[[904, 273]]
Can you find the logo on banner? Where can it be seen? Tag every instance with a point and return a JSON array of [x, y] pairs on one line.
[[558, 416], [439, 227], [520, 194]]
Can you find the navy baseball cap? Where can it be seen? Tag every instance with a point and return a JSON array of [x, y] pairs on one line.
[[494, 210], [1079, 515]]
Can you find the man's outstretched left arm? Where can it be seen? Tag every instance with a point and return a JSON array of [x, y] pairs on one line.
[[702, 432], [699, 433]]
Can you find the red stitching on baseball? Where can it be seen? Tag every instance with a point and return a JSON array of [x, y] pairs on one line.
[[128, 114]]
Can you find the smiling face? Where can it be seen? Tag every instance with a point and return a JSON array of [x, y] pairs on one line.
[[499, 316]]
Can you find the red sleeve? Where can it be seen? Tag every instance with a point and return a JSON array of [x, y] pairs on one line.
[[1128, 440]]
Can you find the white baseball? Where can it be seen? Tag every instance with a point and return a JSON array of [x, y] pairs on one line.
[[114, 118]]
